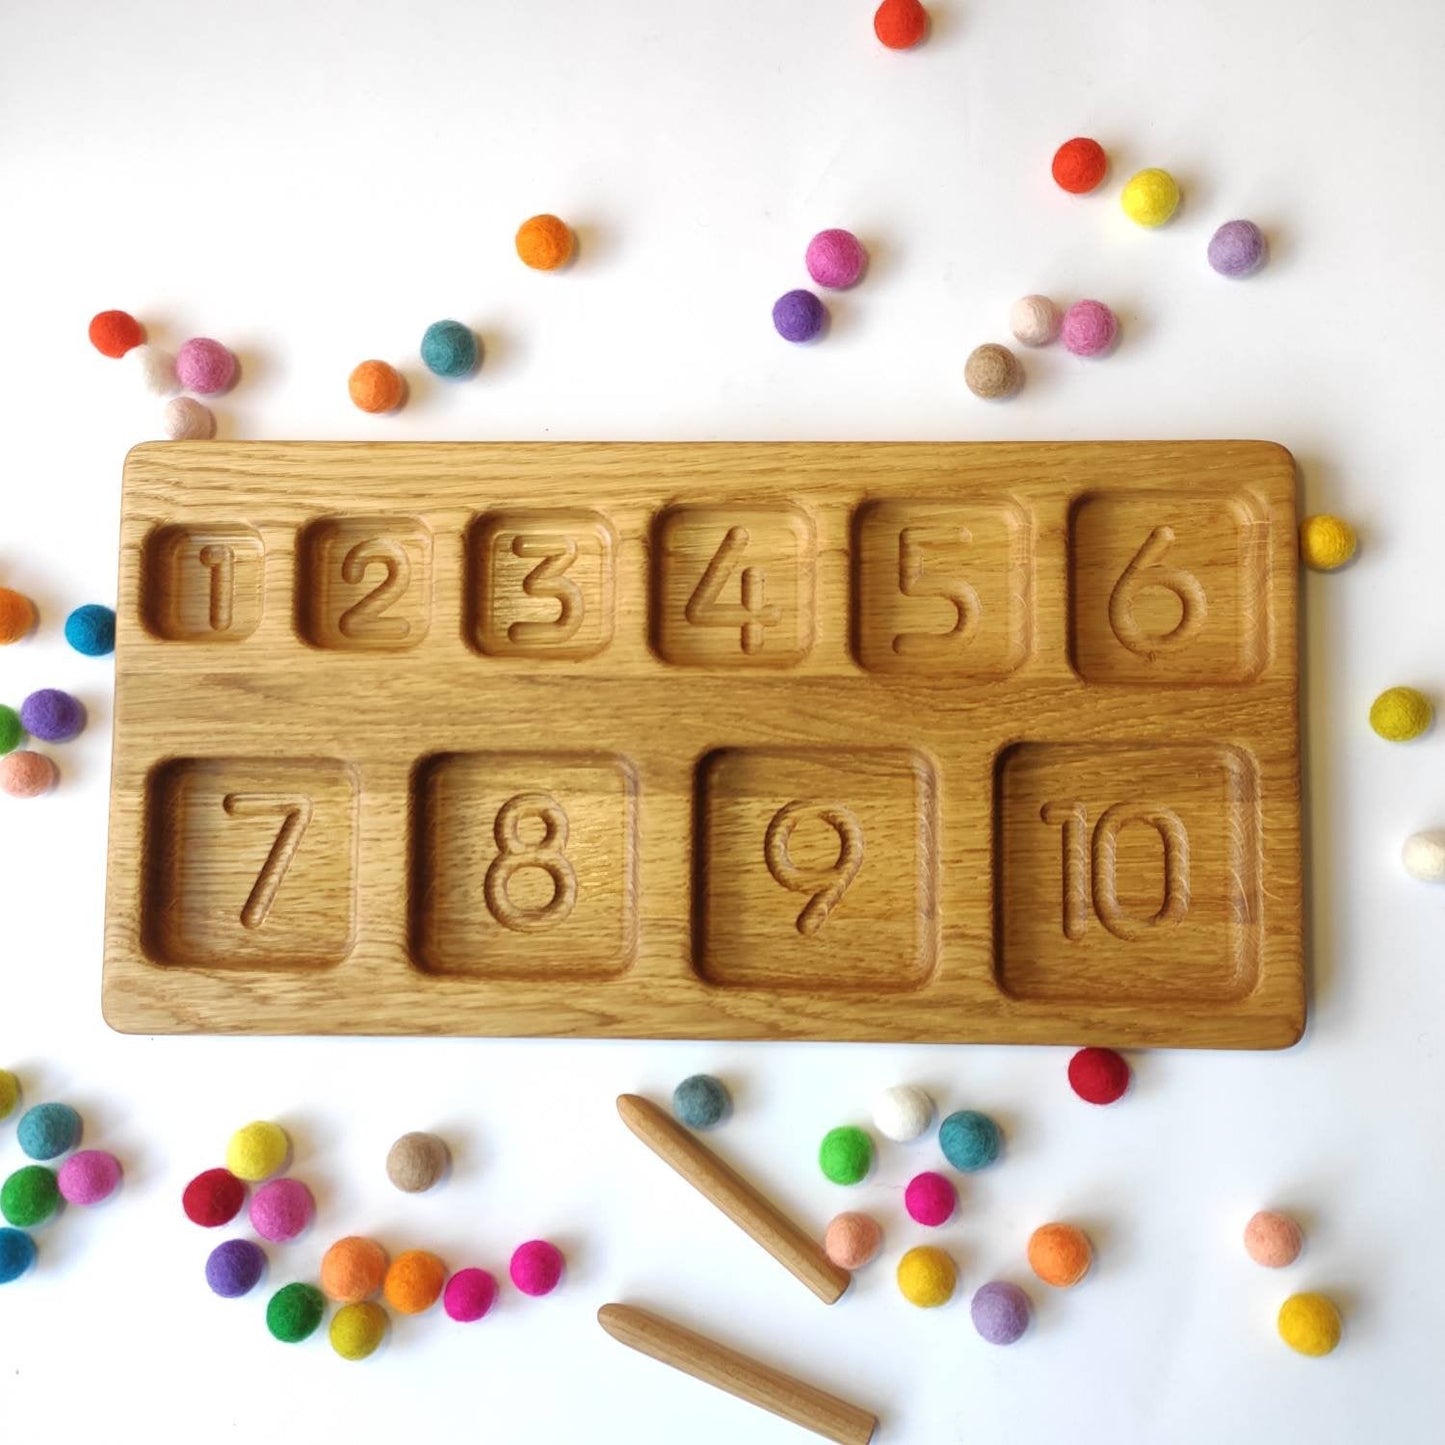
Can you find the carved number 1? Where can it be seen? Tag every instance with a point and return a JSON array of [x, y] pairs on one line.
[[220, 562], [705, 608], [295, 815]]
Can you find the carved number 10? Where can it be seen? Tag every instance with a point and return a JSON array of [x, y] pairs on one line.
[[1101, 880]]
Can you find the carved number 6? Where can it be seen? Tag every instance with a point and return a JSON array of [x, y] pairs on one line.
[[1144, 573], [827, 885], [363, 619]]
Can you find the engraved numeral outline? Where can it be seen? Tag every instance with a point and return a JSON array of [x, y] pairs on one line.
[[1143, 573], [827, 885], [363, 618], [751, 615], [912, 544], [219, 559], [295, 811], [514, 854], [547, 581]]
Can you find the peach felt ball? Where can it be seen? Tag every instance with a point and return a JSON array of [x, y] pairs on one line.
[[414, 1281], [25, 774], [852, 1239], [536, 1267], [17, 615], [900, 24], [1273, 1239], [545, 242], [376, 387], [205, 366], [1060, 1254]]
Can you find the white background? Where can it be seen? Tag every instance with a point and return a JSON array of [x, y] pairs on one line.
[[314, 183]]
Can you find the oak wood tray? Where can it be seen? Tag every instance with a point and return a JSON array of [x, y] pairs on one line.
[[907, 742]]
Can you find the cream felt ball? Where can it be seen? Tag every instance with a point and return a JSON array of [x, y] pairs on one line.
[[154, 368], [187, 420], [416, 1162], [902, 1113], [852, 1239], [1034, 320], [1423, 856]]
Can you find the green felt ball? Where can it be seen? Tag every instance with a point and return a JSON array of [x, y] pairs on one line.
[[294, 1311], [845, 1155], [29, 1196], [10, 730]]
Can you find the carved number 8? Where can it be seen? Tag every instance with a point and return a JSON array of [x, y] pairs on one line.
[[514, 854]]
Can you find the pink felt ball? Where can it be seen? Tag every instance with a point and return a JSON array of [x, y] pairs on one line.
[[536, 1267], [205, 366], [929, 1199], [836, 259], [281, 1209], [469, 1295], [89, 1177], [1089, 328]]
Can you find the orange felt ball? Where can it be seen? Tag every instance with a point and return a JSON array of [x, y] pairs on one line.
[[545, 243], [376, 387], [17, 615], [353, 1269], [414, 1281], [1060, 1254], [900, 24], [113, 333]]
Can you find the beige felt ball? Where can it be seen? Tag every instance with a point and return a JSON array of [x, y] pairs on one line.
[[992, 372], [416, 1162]]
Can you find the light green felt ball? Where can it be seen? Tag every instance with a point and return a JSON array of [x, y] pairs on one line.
[[845, 1155]]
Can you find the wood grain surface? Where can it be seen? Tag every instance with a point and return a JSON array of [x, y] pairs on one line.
[[941, 742]]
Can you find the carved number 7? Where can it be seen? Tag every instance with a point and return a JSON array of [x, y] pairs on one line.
[[295, 815]]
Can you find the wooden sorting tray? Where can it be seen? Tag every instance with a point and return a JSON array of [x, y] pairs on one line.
[[910, 742]]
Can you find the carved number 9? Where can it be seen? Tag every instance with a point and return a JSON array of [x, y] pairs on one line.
[[827, 885], [1144, 573]]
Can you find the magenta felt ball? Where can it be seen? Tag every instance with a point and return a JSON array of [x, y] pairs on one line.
[[1089, 328], [799, 316], [469, 1295], [89, 1177], [281, 1209], [836, 259], [929, 1199], [205, 366], [536, 1267]]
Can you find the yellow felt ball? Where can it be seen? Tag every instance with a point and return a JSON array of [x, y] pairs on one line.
[[1401, 713], [1326, 542], [926, 1277], [9, 1091], [257, 1151], [1150, 197], [1309, 1323], [357, 1329]]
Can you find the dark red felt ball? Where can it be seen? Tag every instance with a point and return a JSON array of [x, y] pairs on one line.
[[1098, 1076], [1079, 164], [213, 1198], [113, 333]]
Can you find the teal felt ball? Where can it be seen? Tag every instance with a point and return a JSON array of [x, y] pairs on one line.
[[449, 349], [969, 1140], [91, 630], [48, 1130], [845, 1155], [700, 1101], [17, 1254]]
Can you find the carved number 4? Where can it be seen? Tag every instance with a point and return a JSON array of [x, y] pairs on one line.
[[705, 608], [295, 815]]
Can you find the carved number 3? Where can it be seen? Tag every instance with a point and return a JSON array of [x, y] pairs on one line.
[[514, 854], [547, 580], [1146, 572], [827, 885], [363, 618]]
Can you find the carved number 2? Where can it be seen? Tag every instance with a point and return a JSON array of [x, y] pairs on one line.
[[362, 619], [295, 815], [705, 608], [827, 885]]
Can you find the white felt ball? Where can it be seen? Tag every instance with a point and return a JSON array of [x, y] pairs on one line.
[[1034, 320], [156, 369], [902, 1112], [1424, 855]]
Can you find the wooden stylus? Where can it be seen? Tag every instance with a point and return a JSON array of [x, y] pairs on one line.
[[801, 1255], [748, 1379]]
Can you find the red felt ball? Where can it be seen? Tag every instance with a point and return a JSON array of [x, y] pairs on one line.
[[1098, 1076], [113, 333], [213, 1198], [1079, 164], [900, 24]]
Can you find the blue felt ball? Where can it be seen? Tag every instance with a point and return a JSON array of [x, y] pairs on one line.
[[799, 315], [700, 1101], [17, 1254], [449, 349], [969, 1140], [48, 1130], [91, 630]]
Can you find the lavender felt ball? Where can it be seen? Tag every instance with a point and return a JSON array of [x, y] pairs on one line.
[[799, 315], [1237, 248], [51, 715], [836, 259], [235, 1267], [1000, 1312]]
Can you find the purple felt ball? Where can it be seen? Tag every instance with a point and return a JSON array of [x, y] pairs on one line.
[[1000, 1312], [89, 1176], [836, 259], [281, 1209], [51, 715], [233, 1268], [1089, 328], [1237, 248], [469, 1295], [799, 315], [205, 366]]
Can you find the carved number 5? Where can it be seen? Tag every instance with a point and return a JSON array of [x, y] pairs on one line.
[[827, 885], [295, 815], [1146, 572], [912, 544], [705, 608], [363, 619], [546, 580]]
